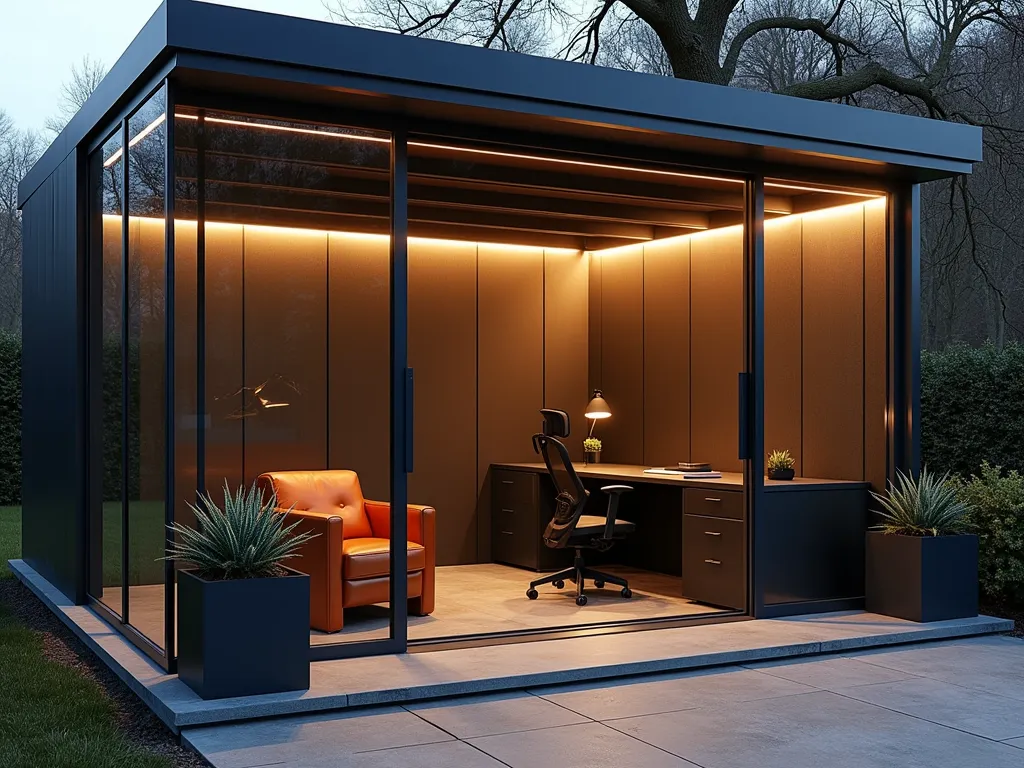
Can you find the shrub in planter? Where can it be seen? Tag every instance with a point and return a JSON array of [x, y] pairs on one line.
[[780, 465], [592, 450], [997, 517], [920, 565], [243, 617]]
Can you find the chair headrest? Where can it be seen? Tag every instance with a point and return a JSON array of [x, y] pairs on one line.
[[556, 423]]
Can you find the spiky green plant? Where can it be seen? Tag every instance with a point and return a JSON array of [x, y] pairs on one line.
[[247, 539], [780, 460], [592, 445], [927, 506]]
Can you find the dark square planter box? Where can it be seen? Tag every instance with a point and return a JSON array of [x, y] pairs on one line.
[[244, 636], [921, 578]]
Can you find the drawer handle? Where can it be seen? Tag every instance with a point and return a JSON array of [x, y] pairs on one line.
[[713, 562], [711, 498], [712, 533], [508, 482], [507, 533], [507, 510]]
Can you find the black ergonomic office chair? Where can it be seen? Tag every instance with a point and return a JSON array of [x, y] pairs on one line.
[[570, 527]]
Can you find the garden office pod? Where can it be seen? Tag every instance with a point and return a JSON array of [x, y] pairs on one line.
[[354, 267]]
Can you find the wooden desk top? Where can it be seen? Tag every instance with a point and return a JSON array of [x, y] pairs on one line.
[[729, 481]]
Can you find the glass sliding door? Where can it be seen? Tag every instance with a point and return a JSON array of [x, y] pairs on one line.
[[289, 226], [147, 369], [106, 180]]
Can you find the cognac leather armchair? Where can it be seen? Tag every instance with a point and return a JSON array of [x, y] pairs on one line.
[[349, 562]]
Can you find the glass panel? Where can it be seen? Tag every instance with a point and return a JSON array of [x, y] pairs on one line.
[[297, 324], [147, 354], [535, 279], [825, 369], [108, 196]]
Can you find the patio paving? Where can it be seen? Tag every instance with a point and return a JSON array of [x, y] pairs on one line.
[[420, 677], [883, 708]]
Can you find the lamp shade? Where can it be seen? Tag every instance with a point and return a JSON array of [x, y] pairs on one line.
[[598, 408]]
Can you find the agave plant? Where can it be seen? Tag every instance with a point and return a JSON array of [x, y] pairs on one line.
[[247, 539], [927, 506]]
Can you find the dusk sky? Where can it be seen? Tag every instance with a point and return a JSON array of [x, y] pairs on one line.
[[40, 40]]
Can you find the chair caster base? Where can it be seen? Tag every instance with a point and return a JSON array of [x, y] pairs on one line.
[[581, 600], [599, 584], [558, 584], [531, 593], [627, 592]]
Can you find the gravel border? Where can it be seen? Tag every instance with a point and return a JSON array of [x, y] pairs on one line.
[[133, 718]]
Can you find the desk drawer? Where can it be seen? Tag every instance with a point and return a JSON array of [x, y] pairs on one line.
[[517, 490], [514, 537], [713, 503], [714, 561]]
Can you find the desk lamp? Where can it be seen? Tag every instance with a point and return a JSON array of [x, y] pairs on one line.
[[597, 408]]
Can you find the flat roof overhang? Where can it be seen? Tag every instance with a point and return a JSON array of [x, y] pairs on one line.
[[243, 53]]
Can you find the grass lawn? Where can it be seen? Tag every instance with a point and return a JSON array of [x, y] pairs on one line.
[[51, 715]]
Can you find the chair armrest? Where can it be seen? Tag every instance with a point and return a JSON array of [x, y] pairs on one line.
[[614, 493], [320, 557], [419, 516]]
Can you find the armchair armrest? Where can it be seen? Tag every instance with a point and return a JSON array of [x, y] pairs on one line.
[[320, 557], [614, 493], [421, 531]]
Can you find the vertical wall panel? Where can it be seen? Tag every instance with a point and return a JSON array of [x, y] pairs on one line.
[[667, 352], [359, 359], [53, 460], [285, 314], [594, 324], [442, 350], [186, 415], [833, 323], [224, 354], [875, 348], [783, 333], [566, 341], [716, 346], [622, 354]]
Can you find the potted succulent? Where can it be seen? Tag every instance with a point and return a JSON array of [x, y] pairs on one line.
[[780, 465], [920, 565], [243, 616], [591, 451]]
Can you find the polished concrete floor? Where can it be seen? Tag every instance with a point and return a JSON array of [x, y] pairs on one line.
[[956, 704], [477, 599]]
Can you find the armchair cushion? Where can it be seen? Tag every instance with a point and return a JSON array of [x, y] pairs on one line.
[[327, 491], [371, 558]]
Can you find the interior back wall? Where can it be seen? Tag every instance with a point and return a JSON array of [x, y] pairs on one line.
[[666, 340]]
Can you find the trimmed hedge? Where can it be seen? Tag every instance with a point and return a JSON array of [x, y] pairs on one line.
[[972, 408], [10, 418]]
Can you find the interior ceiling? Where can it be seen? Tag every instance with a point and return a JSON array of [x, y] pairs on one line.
[[289, 174]]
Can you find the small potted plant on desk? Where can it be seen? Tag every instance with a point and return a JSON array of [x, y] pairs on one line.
[[920, 564], [243, 617], [591, 451], [780, 466]]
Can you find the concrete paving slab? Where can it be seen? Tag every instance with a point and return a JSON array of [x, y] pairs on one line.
[[592, 745], [448, 754], [1016, 743], [993, 664], [814, 730], [421, 676], [978, 712], [468, 717], [667, 693], [831, 673], [308, 738]]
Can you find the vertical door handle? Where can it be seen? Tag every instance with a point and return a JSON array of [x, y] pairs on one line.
[[409, 403], [744, 436]]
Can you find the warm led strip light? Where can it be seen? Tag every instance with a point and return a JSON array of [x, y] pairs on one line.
[[138, 137]]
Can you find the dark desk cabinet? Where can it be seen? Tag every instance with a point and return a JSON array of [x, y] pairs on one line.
[[519, 516], [714, 548]]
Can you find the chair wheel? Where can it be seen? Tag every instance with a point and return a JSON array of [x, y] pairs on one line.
[[599, 584], [531, 593], [627, 592], [558, 584], [581, 600]]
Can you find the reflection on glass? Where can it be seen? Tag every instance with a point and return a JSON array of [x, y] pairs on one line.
[[108, 182], [147, 353], [295, 223]]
